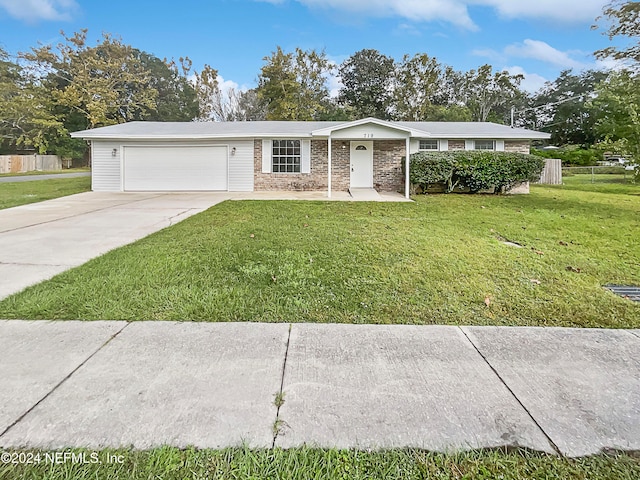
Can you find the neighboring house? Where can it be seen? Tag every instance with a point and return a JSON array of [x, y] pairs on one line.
[[254, 156]]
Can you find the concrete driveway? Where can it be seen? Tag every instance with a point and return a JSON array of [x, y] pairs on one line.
[[40, 240]]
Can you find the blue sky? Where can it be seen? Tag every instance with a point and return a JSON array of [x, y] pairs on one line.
[[537, 38]]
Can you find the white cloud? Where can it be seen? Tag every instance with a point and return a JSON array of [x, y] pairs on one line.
[[489, 53], [532, 81], [226, 85], [35, 10], [542, 51], [565, 11], [405, 29], [456, 12]]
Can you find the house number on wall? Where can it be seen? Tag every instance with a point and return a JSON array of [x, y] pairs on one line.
[[368, 135]]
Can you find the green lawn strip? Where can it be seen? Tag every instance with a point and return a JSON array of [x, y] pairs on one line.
[[305, 463], [46, 172], [439, 260], [22, 193], [601, 183]]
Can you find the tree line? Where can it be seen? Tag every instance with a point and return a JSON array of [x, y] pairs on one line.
[[49, 91]]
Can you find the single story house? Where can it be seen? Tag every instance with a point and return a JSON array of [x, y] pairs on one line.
[[253, 156]]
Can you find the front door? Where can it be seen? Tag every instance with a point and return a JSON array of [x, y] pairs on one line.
[[361, 164]]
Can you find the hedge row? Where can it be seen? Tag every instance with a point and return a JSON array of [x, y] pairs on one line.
[[474, 170]]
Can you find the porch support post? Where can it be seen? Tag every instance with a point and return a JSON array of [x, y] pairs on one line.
[[329, 169], [406, 168]]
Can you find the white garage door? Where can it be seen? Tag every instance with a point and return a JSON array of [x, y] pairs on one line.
[[184, 168]]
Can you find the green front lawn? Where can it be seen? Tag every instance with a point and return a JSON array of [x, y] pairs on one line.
[[307, 463], [440, 260], [20, 193], [47, 172]]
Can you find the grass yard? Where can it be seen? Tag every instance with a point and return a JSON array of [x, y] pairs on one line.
[[47, 172], [21, 193], [306, 463], [440, 260]]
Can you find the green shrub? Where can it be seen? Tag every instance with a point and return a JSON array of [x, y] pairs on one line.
[[474, 170], [572, 155]]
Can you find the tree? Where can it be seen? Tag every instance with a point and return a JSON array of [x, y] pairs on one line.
[[106, 84], [251, 107], [624, 18], [26, 110], [563, 107], [293, 86], [618, 101], [234, 105], [416, 81], [488, 95], [206, 87], [367, 79], [177, 100]]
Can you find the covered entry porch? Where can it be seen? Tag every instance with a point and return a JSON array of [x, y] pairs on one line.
[[367, 155]]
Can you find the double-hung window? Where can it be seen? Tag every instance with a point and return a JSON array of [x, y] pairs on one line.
[[285, 156], [428, 145], [484, 145]]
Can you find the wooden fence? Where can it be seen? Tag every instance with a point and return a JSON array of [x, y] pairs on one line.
[[552, 172], [29, 163]]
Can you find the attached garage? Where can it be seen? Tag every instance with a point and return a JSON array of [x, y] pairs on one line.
[[167, 168]]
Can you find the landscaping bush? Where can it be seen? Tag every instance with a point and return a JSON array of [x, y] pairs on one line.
[[572, 155], [474, 170]]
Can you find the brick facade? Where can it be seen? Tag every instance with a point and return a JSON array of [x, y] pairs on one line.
[[456, 145], [316, 179], [518, 146], [387, 168], [387, 165]]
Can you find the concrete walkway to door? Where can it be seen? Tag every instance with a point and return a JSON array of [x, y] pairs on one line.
[[40, 240]]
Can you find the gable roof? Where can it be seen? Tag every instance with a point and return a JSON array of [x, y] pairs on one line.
[[328, 130], [274, 129]]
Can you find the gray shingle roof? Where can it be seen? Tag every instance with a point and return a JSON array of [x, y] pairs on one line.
[[266, 129]]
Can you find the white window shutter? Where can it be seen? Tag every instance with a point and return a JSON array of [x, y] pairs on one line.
[[266, 156], [444, 145], [499, 145], [469, 145], [306, 157]]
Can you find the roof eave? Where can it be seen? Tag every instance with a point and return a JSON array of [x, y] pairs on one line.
[[186, 137]]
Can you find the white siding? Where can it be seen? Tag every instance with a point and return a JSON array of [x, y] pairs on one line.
[[469, 145], [444, 145], [500, 145], [369, 132], [241, 166], [105, 168], [414, 146]]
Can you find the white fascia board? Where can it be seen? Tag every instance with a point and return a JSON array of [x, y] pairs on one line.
[[188, 137], [326, 132], [489, 136]]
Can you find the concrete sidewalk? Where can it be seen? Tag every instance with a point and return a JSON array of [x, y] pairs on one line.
[[109, 384]]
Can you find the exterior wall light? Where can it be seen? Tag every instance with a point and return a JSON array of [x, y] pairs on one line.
[[114, 152], [233, 151]]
